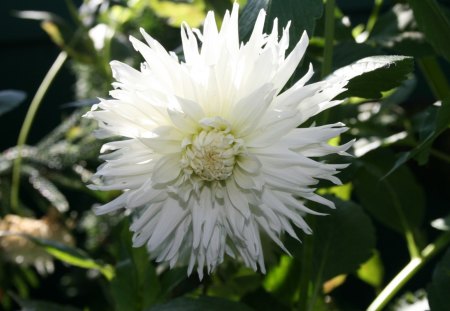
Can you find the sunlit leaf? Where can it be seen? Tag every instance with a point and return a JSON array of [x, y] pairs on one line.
[[201, 303], [434, 23], [372, 271], [397, 200], [10, 99], [439, 289], [71, 255], [372, 75], [276, 276], [283, 280], [343, 192], [192, 13], [397, 30]]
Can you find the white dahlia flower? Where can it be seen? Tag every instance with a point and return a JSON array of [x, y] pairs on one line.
[[212, 156]]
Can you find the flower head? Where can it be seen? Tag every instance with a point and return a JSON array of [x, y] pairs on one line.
[[212, 156]]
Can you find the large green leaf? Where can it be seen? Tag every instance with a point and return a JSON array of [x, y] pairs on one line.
[[342, 241], [248, 17], [369, 76], [435, 25], [135, 286], [397, 31], [397, 200], [301, 13], [437, 120], [439, 289], [201, 303], [282, 280], [10, 99]]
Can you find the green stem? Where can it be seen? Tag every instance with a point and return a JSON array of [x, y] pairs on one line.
[[327, 64], [434, 76], [27, 123], [317, 287], [373, 16], [306, 268], [411, 242], [408, 272]]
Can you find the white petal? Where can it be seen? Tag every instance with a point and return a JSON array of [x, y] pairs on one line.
[[166, 169]]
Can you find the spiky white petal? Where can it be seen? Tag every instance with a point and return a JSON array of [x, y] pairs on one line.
[[212, 156]]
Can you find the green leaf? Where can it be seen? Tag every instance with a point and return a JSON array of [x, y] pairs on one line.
[[343, 241], [234, 281], [438, 121], [372, 271], [439, 289], [396, 200], [263, 301], [370, 76], [71, 255], [201, 303], [10, 99], [40, 305], [135, 285], [247, 17], [347, 52], [302, 14], [434, 24], [397, 30]]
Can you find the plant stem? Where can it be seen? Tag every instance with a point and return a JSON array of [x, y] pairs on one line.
[[27, 123], [373, 16], [306, 269], [327, 64], [409, 271], [411, 242]]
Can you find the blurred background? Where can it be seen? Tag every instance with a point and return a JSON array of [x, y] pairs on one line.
[[60, 154]]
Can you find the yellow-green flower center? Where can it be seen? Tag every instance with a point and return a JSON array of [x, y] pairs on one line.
[[211, 154]]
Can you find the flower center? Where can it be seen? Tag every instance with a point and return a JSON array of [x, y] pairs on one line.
[[211, 154]]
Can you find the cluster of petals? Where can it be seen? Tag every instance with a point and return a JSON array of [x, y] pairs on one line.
[[211, 156]]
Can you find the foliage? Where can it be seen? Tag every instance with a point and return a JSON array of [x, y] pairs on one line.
[[391, 214]]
